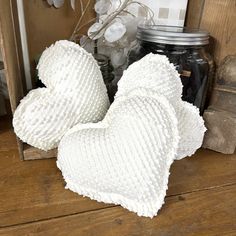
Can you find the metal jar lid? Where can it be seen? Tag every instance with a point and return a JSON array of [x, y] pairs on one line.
[[172, 35]]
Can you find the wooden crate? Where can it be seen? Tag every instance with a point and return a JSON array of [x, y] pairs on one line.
[[216, 16], [61, 23]]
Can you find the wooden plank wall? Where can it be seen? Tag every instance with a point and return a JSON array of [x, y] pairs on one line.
[[218, 17], [10, 44], [12, 55]]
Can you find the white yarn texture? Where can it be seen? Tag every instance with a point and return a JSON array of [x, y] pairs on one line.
[[125, 159], [75, 93], [152, 72], [156, 73]]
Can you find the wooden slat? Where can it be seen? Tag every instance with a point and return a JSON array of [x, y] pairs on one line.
[[12, 56], [10, 53], [218, 17], [194, 13], [34, 190], [32, 153], [18, 43], [60, 24], [209, 212], [204, 170]]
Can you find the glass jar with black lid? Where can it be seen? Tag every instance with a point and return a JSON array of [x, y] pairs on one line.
[[185, 48]]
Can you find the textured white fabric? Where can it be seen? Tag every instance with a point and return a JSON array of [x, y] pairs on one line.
[[152, 72], [191, 129], [156, 73], [74, 93], [125, 159]]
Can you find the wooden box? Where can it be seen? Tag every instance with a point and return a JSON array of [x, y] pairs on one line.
[[59, 25]]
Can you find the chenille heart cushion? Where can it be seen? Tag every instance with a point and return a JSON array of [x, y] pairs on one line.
[[155, 72], [191, 129], [75, 93], [125, 159]]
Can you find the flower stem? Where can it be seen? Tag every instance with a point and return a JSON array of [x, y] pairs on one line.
[[80, 20]]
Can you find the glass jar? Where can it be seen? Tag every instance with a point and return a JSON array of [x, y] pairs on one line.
[[185, 48], [107, 73]]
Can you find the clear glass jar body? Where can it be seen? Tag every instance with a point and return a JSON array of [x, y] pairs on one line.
[[192, 62], [107, 73]]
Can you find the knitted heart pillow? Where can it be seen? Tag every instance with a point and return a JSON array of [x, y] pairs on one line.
[[125, 159], [74, 93], [155, 72]]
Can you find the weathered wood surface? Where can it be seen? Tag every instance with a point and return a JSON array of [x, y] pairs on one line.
[[38, 14], [210, 212], [224, 98], [221, 133], [224, 91], [34, 190], [194, 13], [32, 153], [9, 46], [218, 17], [220, 117]]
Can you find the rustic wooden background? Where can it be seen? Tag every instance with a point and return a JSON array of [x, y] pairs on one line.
[[45, 24], [219, 18], [202, 190]]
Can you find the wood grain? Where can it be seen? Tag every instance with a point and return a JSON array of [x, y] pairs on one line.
[[194, 13], [218, 17], [10, 53], [12, 56], [34, 190], [209, 212], [32, 153], [38, 14]]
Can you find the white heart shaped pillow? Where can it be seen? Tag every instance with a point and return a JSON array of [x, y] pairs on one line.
[[75, 93], [125, 159], [155, 72]]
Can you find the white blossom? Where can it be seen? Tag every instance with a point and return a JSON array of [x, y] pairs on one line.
[[92, 31], [102, 6], [118, 57], [115, 32]]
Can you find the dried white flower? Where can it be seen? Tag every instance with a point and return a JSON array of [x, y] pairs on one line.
[[118, 57], [102, 6], [115, 32], [93, 31]]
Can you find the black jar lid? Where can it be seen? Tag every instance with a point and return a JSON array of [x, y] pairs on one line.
[[172, 35]]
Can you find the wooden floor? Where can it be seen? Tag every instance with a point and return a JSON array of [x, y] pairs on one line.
[[201, 199]]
